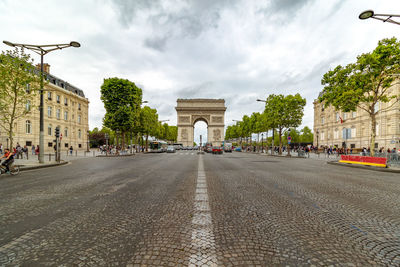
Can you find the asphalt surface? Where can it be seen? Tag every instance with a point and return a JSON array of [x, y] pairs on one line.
[[188, 209]]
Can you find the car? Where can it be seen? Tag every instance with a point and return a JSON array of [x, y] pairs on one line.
[[217, 150], [171, 149], [238, 149], [228, 147]]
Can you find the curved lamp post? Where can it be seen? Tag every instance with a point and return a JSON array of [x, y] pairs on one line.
[[383, 17], [42, 50]]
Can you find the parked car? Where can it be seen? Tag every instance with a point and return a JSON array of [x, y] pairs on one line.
[[171, 149], [217, 150], [238, 149]]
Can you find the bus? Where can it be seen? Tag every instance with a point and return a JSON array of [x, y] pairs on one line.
[[158, 146]]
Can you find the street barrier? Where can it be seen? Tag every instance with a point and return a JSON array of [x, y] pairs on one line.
[[364, 160]]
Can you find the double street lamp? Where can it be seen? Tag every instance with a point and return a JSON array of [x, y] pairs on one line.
[[383, 17], [42, 50]]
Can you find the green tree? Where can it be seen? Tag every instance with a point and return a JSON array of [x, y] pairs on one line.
[[284, 112], [122, 100], [148, 122], [365, 84], [19, 86], [306, 135]]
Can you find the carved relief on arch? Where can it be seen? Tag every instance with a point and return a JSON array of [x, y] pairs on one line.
[[217, 119], [205, 118], [184, 119]]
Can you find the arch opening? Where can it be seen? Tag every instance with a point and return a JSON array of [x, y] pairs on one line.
[[200, 129]]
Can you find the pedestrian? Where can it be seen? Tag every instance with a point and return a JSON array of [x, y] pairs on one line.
[[19, 150], [1, 148], [25, 151], [71, 150], [37, 150], [33, 149]]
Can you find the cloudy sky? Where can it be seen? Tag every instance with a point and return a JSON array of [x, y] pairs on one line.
[[235, 50]]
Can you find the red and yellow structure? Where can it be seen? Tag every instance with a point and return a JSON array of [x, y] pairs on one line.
[[364, 160]]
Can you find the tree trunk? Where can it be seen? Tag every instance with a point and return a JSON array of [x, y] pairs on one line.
[[147, 139], [373, 134], [123, 140], [258, 142], [280, 141], [10, 135]]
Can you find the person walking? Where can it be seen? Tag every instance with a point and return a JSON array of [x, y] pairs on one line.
[[33, 149], [71, 150], [25, 151]]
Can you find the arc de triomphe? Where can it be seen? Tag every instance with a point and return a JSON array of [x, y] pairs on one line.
[[211, 111]]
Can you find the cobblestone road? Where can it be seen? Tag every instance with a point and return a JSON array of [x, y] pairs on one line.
[[186, 209]]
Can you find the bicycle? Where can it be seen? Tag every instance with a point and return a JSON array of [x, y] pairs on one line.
[[14, 169]]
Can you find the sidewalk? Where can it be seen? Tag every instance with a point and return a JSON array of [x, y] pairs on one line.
[[331, 159], [49, 159]]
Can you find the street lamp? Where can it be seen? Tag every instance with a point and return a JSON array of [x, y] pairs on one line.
[[42, 50], [383, 17], [317, 139], [262, 143]]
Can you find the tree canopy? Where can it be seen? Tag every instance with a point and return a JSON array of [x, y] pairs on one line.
[[19, 85], [365, 84]]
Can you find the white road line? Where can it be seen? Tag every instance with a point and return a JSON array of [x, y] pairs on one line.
[[202, 235]]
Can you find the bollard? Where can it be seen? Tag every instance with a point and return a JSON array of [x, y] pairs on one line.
[[84, 154], [93, 154], [49, 157]]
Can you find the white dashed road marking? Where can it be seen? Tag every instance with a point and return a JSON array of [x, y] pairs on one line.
[[202, 235]]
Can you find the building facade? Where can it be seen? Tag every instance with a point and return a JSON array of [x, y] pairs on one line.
[[333, 127], [65, 106]]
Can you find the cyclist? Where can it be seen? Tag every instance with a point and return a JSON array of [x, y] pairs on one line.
[[9, 159]]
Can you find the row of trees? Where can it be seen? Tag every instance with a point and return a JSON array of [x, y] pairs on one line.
[[282, 113], [124, 115]]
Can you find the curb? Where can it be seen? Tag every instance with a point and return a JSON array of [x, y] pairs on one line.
[[22, 168], [114, 156], [287, 157], [371, 168]]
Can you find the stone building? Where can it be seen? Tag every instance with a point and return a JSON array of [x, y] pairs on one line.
[[332, 127], [65, 106]]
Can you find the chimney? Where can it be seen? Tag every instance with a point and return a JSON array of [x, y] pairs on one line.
[[46, 67]]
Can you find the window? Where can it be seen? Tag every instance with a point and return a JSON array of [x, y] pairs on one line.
[[65, 101], [66, 132], [79, 134], [346, 133], [354, 114], [49, 111], [66, 115], [79, 118], [79, 106], [80, 145], [28, 143], [49, 144], [28, 127], [377, 129], [322, 135], [28, 88], [49, 95], [353, 132], [66, 145], [337, 116], [28, 105], [49, 129], [58, 98], [344, 115], [58, 113], [322, 120], [336, 134]]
